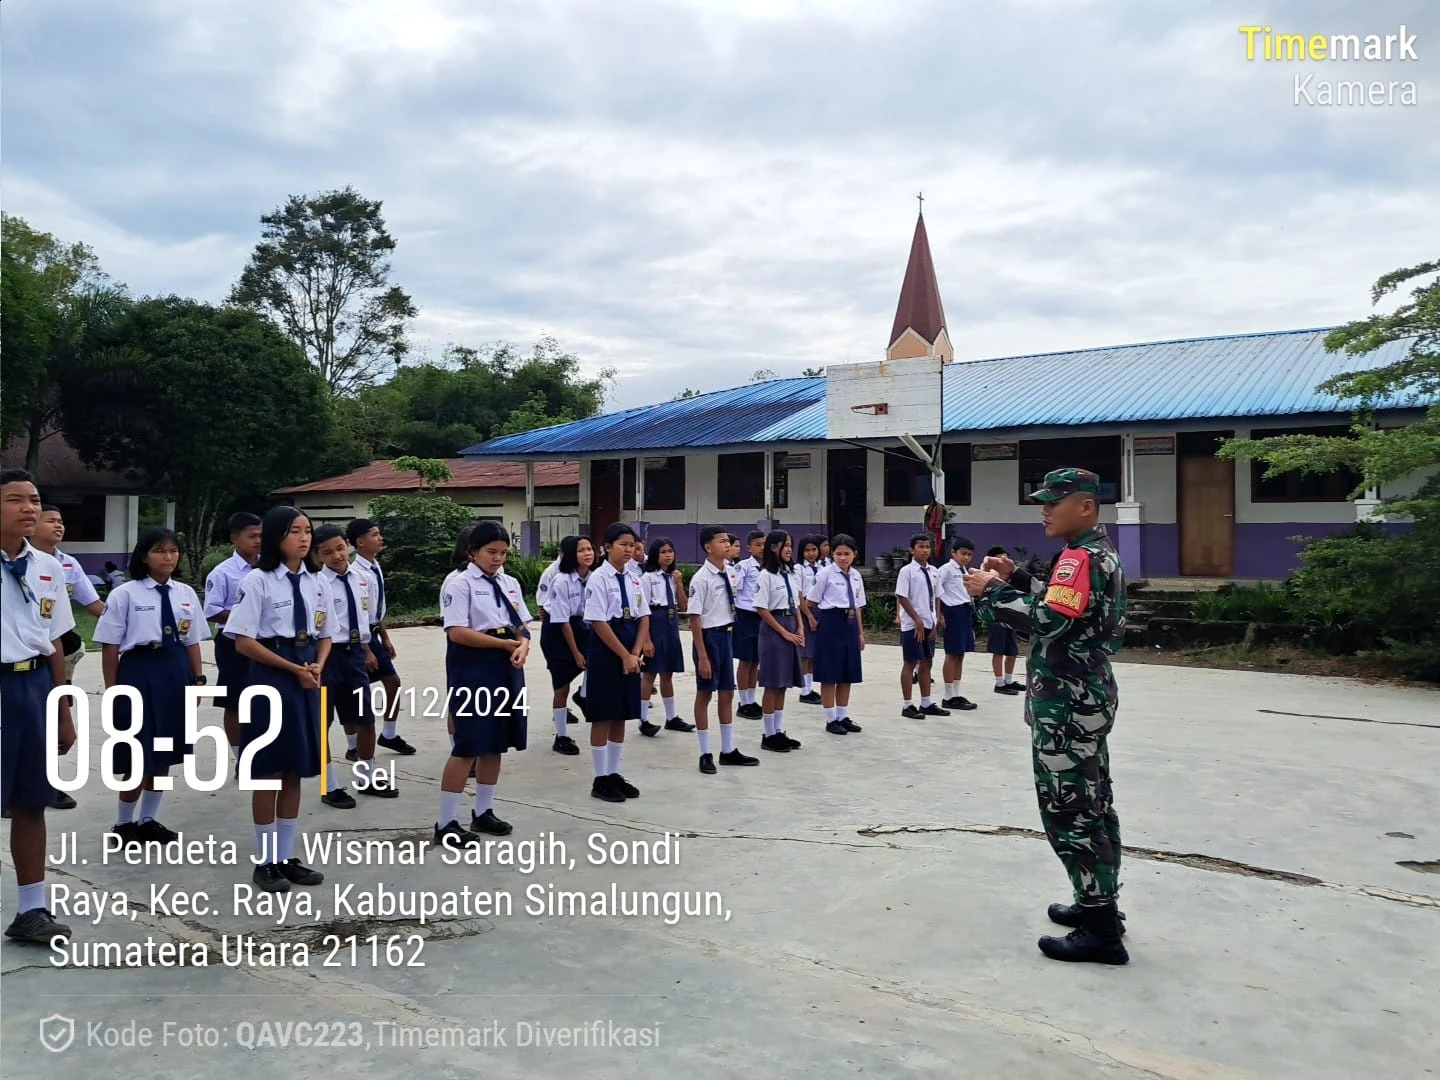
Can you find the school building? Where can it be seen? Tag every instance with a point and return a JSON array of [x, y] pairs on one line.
[[843, 452], [492, 489]]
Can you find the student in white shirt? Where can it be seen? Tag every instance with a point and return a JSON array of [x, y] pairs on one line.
[[919, 613], [712, 641], [838, 596], [806, 567], [747, 627], [777, 601], [221, 589], [665, 593], [364, 535], [619, 619], [565, 635], [149, 638], [957, 623]]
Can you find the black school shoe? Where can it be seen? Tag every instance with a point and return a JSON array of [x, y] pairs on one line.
[[794, 743], [811, 698], [910, 712], [489, 823], [389, 791], [564, 744], [62, 801], [676, 724], [127, 832], [340, 799], [707, 764], [297, 873], [397, 744], [152, 830], [570, 717], [735, 757], [455, 835], [850, 725], [350, 755], [268, 878], [750, 712], [776, 742], [835, 727], [649, 729], [620, 784], [934, 710], [961, 703], [36, 926], [604, 788], [1010, 688]]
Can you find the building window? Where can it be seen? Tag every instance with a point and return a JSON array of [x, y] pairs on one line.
[[1099, 454], [84, 519], [741, 482], [908, 482], [1295, 487], [664, 483]]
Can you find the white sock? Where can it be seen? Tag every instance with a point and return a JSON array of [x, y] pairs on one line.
[[831, 715], [612, 757], [561, 721], [125, 813], [389, 730], [333, 782], [600, 758], [951, 690], [32, 896], [744, 696], [1000, 681], [1010, 680], [484, 798], [925, 701], [768, 719], [906, 703], [285, 838], [809, 682], [704, 735], [352, 740], [363, 769], [779, 721], [727, 738], [150, 804], [670, 713], [449, 807], [265, 842], [842, 712], [235, 755]]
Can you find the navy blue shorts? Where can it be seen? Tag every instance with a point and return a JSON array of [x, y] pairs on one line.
[[347, 686], [22, 738], [386, 668], [915, 651], [231, 668], [959, 629], [720, 648], [747, 637], [1001, 640]]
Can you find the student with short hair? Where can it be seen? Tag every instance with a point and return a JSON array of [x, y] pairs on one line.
[[35, 615], [747, 627], [487, 643], [222, 588], [806, 567], [665, 593], [712, 627], [364, 535], [957, 623], [619, 619], [280, 626], [1003, 645], [777, 601], [565, 635], [149, 638], [353, 596], [919, 613], [839, 597]]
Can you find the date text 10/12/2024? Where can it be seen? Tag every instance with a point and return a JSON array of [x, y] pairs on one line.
[[257, 703]]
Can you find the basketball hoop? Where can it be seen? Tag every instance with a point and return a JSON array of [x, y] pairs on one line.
[[875, 408]]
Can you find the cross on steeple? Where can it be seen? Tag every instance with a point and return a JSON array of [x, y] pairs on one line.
[[921, 197]]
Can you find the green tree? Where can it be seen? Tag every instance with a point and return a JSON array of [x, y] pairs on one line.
[[813, 372], [322, 271], [203, 404], [420, 533], [762, 375], [432, 471], [688, 392]]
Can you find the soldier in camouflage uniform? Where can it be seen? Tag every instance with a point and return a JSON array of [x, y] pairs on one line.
[[1076, 620]]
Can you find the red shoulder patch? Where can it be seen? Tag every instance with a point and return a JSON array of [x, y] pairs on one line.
[[1069, 589]]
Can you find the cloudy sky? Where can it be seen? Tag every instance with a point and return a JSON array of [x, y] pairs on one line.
[[689, 190]]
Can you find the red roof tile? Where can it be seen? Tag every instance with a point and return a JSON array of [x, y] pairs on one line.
[[919, 307], [469, 473]]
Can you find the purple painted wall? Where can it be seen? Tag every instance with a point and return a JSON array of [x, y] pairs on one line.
[[1159, 551], [1267, 550]]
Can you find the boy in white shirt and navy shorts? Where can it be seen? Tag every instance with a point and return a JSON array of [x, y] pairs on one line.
[[915, 595], [957, 623]]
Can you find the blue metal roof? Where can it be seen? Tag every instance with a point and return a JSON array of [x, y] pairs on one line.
[[1247, 375]]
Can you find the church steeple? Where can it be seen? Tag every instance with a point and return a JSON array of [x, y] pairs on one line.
[[919, 328]]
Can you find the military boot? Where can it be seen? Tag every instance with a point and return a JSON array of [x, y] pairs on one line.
[[1096, 940], [1070, 915]]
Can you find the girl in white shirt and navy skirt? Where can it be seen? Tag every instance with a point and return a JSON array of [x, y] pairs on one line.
[[150, 634], [665, 593], [806, 568], [619, 621], [484, 615], [564, 635], [279, 624], [777, 602], [839, 596]]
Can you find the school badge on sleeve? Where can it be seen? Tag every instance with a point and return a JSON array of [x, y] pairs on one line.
[[47, 607], [319, 620], [184, 627], [1069, 588]]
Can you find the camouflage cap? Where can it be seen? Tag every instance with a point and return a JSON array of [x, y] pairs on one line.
[[1061, 482]]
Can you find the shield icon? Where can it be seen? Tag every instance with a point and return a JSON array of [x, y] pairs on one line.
[[57, 1033]]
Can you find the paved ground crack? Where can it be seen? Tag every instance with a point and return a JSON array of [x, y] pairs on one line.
[[1353, 719]]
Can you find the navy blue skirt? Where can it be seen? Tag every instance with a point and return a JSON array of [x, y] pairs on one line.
[[779, 660], [837, 647], [807, 651], [161, 675], [556, 650], [231, 669], [611, 696], [296, 750], [669, 658], [23, 746], [747, 636], [347, 686], [486, 695]]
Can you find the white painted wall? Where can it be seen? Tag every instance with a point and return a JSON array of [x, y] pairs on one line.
[[504, 504], [122, 528]]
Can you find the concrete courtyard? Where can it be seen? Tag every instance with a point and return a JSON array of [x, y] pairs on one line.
[[885, 891]]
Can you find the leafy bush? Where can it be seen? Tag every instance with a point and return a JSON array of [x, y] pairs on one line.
[[419, 533], [550, 551], [526, 569], [879, 613], [1258, 603]]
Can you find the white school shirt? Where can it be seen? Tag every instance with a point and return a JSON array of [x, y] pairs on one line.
[[602, 595], [708, 598], [829, 588], [77, 582], [223, 583], [950, 584], [770, 592], [265, 605], [566, 599], [373, 569], [911, 584], [542, 590], [636, 568], [132, 615], [469, 601], [654, 585], [805, 575], [749, 570], [367, 598], [31, 618]]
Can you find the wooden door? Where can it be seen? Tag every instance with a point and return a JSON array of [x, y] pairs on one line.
[[604, 496], [1207, 517], [848, 496]]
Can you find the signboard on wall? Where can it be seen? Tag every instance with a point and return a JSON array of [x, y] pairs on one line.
[[1154, 445], [1008, 451], [795, 461]]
